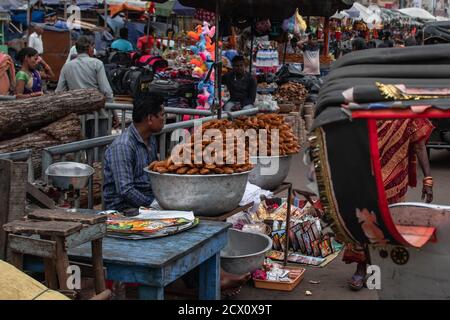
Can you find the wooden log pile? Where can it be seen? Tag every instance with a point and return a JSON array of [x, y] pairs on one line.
[[40, 122], [23, 116]]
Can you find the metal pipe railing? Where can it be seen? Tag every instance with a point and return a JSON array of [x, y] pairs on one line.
[[7, 98]]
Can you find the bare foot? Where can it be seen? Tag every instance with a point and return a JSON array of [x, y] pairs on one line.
[[232, 281]]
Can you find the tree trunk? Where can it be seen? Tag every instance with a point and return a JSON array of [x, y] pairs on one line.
[[62, 131], [22, 116]]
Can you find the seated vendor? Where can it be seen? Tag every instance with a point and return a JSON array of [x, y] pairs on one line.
[[242, 87], [126, 185]]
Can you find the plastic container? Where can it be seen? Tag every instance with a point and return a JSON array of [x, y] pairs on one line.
[[281, 286]]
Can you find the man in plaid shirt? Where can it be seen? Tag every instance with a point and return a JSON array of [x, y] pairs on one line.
[[126, 184]]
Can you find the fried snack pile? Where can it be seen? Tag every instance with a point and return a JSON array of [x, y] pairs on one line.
[[234, 158], [290, 92], [288, 141]]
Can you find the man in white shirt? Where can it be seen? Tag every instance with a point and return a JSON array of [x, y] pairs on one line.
[[311, 56], [35, 40]]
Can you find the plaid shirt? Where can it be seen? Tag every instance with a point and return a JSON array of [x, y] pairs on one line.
[[126, 185]]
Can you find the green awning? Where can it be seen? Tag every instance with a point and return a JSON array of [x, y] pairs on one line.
[[164, 9]]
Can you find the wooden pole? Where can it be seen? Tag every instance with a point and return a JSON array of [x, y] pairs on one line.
[[218, 60], [327, 37], [106, 14], [28, 20], [288, 224]]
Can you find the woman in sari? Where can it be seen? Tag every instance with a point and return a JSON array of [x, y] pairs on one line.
[[29, 79], [402, 143]]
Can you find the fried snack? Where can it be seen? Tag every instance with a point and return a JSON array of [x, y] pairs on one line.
[[205, 171], [193, 171], [226, 161], [183, 170], [228, 170], [161, 170]]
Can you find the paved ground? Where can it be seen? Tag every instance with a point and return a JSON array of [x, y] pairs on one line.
[[333, 277]]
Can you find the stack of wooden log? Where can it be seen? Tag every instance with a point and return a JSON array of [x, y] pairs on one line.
[[40, 122]]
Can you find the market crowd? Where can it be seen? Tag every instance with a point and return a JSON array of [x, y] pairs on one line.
[[127, 186]]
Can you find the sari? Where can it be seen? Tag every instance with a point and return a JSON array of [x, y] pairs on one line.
[[396, 143]]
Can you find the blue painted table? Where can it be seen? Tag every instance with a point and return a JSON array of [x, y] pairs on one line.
[[155, 263]]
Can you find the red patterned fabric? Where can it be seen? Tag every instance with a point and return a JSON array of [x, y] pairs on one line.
[[396, 140], [205, 15]]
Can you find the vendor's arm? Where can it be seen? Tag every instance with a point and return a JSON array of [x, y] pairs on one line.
[[48, 72], [103, 82], [122, 163]]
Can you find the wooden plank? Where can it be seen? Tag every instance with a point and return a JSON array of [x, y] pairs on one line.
[[50, 273], [37, 196], [62, 263], [210, 279], [12, 196], [97, 262], [161, 251], [62, 215], [5, 173], [16, 259], [18, 193], [86, 234], [31, 246], [50, 228]]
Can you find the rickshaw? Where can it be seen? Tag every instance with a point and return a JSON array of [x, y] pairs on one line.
[[409, 242]]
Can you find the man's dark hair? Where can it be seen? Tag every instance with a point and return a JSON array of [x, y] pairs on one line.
[[237, 59], [145, 105], [148, 29], [123, 32], [26, 52], [83, 44], [359, 44]]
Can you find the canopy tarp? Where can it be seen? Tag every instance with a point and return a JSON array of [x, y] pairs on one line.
[[418, 13], [173, 7]]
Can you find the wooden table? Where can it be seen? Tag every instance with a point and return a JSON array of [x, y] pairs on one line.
[[156, 263]]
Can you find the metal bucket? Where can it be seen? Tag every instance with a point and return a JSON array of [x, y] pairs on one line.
[[245, 251], [266, 180], [68, 175], [205, 195]]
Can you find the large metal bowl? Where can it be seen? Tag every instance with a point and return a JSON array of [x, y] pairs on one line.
[[245, 251], [205, 195], [68, 175], [269, 178]]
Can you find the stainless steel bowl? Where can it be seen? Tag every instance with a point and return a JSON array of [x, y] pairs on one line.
[[68, 175], [208, 195], [269, 178], [245, 251]]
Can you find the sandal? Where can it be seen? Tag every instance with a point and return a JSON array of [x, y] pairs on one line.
[[357, 282]]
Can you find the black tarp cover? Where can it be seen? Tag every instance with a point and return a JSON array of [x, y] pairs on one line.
[[275, 9], [345, 148]]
